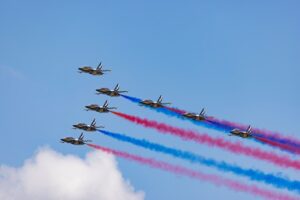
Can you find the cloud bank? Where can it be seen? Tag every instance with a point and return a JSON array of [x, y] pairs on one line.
[[50, 175]]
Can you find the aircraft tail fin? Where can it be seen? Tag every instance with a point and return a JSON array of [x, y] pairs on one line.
[[202, 113], [81, 136], [159, 100], [117, 87], [249, 129], [93, 122], [99, 66], [105, 104]]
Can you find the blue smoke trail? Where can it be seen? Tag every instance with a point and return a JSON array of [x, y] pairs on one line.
[[287, 145], [288, 142], [211, 124], [198, 123], [133, 99], [177, 115], [256, 175], [258, 132]]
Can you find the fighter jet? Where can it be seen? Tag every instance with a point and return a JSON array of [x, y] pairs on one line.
[[198, 117], [100, 109], [113, 93], [154, 104], [97, 71], [243, 134], [86, 127], [75, 141]]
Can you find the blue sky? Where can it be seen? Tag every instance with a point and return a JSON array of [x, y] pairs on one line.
[[237, 59]]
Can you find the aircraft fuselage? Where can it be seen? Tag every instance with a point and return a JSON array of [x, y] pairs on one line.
[[108, 92], [239, 133], [194, 116], [73, 141], [85, 127], [90, 70], [151, 104], [98, 109]]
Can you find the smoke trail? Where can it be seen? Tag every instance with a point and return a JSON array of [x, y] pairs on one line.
[[283, 142], [249, 173], [236, 147], [276, 137], [133, 99], [166, 111], [287, 143], [261, 135], [174, 112], [278, 145], [216, 180], [259, 132]]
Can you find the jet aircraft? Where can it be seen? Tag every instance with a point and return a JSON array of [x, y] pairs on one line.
[[75, 141], [98, 71], [86, 127], [154, 104], [243, 134], [100, 109], [198, 117], [113, 93]]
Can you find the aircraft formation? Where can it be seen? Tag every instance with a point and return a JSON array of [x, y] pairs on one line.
[[233, 129], [116, 92], [98, 71]]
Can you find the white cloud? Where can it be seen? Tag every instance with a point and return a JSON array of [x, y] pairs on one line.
[[50, 175]]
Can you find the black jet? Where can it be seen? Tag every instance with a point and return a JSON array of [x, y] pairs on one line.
[[113, 93], [98, 71], [90, 128], [100, 109], [75, 141], [243, 134], [154, 104], [198, 117]]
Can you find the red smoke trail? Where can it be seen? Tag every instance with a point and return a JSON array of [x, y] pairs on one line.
[[176, 110], [266, 133], [279, 145], [278, 140], [236, 147], [216, 180], [270, 140]]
